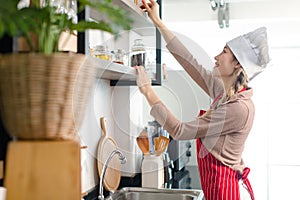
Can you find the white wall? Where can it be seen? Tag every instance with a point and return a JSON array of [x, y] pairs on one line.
[[272, 148], [90, 131], [122, 107]]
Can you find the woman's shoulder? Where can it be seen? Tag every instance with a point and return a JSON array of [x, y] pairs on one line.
[[239, 108]]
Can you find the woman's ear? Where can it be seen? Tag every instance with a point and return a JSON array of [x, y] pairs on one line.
[[237, 65]]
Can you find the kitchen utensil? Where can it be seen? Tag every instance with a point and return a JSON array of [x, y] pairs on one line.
[[151, 132], [143, 143], [156, 143], [105, 147], [162, 144]]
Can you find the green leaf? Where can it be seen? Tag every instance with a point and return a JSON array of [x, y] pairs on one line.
[[11, 28], [10, 5], [83, 25], [2, 29], [115, 15], [47, 24]]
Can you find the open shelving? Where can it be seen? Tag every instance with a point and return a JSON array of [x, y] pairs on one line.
[[142, 26]]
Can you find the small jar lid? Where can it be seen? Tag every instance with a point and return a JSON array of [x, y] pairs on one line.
[[100, 48]]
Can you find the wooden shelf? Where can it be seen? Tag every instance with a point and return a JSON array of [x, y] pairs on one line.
[[141, 25], [112, 71]]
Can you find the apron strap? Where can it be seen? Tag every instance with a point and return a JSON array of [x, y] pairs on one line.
[[244, 177]]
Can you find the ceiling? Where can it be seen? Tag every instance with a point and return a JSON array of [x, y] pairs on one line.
[[196, 21], [200, 10]]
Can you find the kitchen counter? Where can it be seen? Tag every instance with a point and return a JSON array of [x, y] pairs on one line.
[[188, 178]]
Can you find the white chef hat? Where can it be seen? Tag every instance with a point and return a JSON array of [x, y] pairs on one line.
[[251, 50]]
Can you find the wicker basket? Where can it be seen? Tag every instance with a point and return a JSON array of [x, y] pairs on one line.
[[44, 96]]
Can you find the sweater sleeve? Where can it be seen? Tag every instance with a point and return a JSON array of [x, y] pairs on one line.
[[212, 86], [226, 119]]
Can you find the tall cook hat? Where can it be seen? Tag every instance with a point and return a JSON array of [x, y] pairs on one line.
[[251, 50]]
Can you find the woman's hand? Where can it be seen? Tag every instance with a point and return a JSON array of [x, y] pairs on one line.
[[152, 9], [143, 81]]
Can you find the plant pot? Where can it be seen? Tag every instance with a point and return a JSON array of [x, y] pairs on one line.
[[44, 96]]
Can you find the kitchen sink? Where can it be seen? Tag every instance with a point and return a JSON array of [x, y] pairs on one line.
[[135, 193]]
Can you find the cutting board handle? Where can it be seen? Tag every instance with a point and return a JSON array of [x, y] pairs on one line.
[[103, 125]]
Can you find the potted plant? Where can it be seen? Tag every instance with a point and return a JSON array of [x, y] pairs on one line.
[[43, 92]]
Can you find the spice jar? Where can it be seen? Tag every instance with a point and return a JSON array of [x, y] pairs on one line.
[[138, 54], [119, 56], [100, 51]]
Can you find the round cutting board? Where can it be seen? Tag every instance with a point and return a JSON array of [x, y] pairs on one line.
[[105, 147]]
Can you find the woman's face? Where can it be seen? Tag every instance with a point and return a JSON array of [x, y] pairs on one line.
[[225, 63]]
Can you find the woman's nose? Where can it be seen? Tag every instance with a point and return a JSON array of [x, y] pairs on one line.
[[216, 57]]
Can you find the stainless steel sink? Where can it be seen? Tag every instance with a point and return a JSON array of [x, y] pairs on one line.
[[135, 193]]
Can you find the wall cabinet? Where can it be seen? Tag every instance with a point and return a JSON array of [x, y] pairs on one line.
[[142, 28]]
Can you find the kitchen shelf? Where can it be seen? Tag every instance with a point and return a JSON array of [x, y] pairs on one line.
[[119, 74], [140, 18], [113, 71]]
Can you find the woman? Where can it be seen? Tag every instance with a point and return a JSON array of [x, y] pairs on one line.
[[220, 132]]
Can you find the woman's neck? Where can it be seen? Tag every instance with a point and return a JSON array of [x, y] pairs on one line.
[[228, 82]]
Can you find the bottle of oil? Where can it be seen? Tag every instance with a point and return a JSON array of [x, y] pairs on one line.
[[101, 51]]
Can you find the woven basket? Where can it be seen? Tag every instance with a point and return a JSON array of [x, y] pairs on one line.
[[44, 96]]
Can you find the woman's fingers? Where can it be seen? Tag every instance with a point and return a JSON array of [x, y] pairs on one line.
[[149, 6], [139, 69], [152, 2], [146, 6], [143, 78]]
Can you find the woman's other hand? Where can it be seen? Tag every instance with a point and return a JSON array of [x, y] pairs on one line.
[[152, 8], [143, 81]]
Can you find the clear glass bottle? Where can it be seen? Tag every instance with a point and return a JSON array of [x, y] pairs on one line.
[[119, 56], [138, 53], [101, 51]]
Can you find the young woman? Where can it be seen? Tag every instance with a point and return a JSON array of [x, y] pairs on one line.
[[222, 130]]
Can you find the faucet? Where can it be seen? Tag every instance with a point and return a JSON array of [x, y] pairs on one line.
[[123, 161]]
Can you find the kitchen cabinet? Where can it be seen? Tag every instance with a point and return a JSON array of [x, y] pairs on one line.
[[142, 28]]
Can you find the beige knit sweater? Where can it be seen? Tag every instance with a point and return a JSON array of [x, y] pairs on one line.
[[225, 130]]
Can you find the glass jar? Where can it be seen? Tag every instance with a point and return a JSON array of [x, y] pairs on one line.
[[138, 54], [101, 51], [119, 56]]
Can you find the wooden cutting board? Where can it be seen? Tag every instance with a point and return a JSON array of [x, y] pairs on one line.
[[45, 170], [105, 147]]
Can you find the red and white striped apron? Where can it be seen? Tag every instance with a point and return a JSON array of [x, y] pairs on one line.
[[218, 181]]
